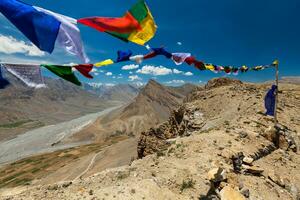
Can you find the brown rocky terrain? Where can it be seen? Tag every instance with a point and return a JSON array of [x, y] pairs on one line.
[[152, 106], [217, 145], [119, 146]]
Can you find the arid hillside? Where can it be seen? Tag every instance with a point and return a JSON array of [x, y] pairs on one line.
[[23, 108], [216, 145], [108, 148], [152, 106]]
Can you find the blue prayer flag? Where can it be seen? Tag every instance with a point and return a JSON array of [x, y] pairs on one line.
[[41, 29], [162, 51], [124, 55]]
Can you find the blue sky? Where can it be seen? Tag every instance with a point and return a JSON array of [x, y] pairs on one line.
[[231, 32]]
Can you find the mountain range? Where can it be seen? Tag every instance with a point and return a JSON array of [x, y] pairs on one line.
[[120, 92], [150, 107]]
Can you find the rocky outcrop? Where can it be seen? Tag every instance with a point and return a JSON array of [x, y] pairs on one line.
[[182, 122], [155, 139], [218, 82], [220, 102]]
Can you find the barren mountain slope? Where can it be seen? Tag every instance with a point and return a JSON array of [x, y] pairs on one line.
[[23, 108], [151, 107], [215, 125], [120, 92]]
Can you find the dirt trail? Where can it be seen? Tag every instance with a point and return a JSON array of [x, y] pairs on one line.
[[88, 168]]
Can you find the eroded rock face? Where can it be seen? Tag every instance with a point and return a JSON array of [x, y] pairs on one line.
[[155, 139]]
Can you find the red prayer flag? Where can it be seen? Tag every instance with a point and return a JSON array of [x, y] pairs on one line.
[[150, 55], [85, 69], [126, 24], [198, 64], [190, 60]]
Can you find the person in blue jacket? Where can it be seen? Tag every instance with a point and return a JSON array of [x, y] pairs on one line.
[[270, 101]]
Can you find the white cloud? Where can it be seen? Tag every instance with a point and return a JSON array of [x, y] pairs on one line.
[[134, 78], [10, 45], [179, 43], [130, 67], [96, 73], [130, 72], [94, 70], [176, 82], [188, 74], [120, 76], [108, 74], [70, 64], [176, 71], [156, 71]]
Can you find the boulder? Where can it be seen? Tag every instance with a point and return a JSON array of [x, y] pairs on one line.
[[248, 160], [228, 193], [276, 179], [270, 133], [252, 169], [217, 175]]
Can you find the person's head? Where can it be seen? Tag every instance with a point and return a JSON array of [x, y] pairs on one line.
[[274, 87]]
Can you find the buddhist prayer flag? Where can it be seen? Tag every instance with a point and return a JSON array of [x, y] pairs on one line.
[[244, 68], [124, 56], [227, 70], [209, 67], [158, 51], [104, 63], [126, 24], [276, 62], [43, 28], [28, 74], [198, 64], [179, 58], [85, 69], [136, 26], [69, 35], [64, 72]]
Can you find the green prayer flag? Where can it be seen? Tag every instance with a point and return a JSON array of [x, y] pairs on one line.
[[64, 72]]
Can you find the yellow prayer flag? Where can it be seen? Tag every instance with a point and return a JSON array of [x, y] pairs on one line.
[[147, 33], [276, 62], [210, 67], [104, 63]]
